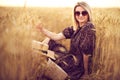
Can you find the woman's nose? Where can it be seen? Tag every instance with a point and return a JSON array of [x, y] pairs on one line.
[[80, 14]]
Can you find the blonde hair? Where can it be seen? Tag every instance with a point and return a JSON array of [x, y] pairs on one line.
[[87, 8]]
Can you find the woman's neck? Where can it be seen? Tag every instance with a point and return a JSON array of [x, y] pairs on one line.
[[81, 24]]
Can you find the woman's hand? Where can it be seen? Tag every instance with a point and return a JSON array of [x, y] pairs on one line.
[[39, 27]]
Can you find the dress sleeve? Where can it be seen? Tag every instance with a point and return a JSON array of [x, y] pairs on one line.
[[88, 44], [67, 32]]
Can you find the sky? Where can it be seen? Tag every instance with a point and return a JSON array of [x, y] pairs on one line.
[[59, 3]]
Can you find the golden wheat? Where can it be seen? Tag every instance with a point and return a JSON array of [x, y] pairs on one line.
[[17, 30]]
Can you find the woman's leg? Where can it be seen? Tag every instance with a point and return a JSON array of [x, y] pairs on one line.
[[55, 72]]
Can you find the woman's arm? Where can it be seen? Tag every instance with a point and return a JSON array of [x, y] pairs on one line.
[[50, 34], [85, 60], [88, 46]]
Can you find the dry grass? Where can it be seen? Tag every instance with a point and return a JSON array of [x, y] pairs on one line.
[[19, 62]]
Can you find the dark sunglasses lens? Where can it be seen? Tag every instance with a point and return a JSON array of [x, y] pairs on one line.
[[84, 13], [77, 13]]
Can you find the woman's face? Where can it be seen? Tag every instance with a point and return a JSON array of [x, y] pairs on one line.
[[81, 15]]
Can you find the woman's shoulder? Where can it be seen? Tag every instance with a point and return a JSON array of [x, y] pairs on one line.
[[69, 28], [68, 31], [89, 26]]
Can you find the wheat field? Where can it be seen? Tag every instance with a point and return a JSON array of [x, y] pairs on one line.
[[17, 30]]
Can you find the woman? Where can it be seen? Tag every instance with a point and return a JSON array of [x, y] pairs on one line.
[[82, 36]]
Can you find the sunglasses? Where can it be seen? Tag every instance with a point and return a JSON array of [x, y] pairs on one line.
[[84, 13]]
